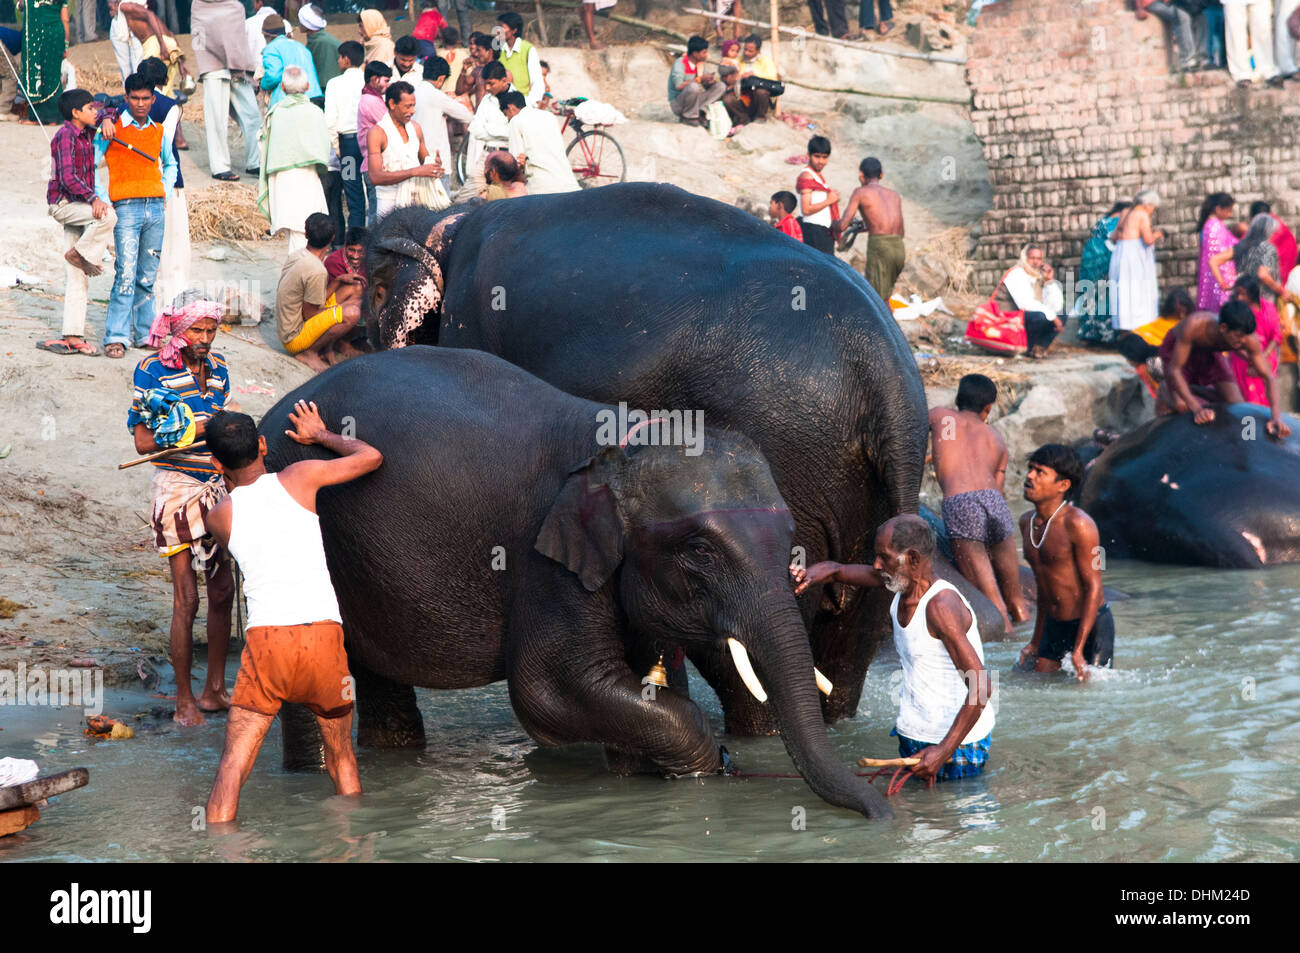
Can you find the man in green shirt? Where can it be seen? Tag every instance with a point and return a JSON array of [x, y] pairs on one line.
[[324, 49]]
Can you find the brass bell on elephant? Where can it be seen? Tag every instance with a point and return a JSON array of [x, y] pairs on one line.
[[658, 675]]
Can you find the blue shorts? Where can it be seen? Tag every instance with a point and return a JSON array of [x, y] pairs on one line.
[[967, 760]]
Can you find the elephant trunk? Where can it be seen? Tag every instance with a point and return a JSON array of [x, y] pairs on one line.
[[784, 665]]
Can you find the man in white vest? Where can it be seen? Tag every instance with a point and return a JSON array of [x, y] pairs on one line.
[[536, 143], [944, 718], [293, 649]]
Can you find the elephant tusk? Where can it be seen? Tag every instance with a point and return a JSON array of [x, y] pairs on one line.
[[823, 683], [745, 670]]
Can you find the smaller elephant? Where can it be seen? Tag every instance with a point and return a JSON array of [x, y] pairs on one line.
[[507, 537], [1222, 494]]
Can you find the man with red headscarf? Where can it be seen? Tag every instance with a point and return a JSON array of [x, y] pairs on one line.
[[176, 390]]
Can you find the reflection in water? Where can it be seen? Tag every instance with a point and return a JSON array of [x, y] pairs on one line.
[[1187, 751]]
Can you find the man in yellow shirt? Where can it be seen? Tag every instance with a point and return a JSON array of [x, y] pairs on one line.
[[755, 63]]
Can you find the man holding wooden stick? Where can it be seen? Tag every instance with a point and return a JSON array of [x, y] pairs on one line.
[[176, 391], [943, 719]]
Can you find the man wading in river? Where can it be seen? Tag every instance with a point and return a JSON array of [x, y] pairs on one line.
[[943, 717], [1063, 550], [294, 645]]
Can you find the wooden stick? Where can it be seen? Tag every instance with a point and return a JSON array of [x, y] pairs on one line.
[[774, 11], [162, 453], [541, 24], [887, 762], [788, 31]]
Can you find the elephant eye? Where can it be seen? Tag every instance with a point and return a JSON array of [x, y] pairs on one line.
[[699, 547]]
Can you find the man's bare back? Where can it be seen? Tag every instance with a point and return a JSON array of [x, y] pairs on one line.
[[968, 453], [881, 209]]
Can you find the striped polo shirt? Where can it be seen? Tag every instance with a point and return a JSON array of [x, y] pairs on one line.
[[151, 373]]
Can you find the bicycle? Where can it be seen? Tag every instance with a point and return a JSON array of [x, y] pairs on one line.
[[598, 159]]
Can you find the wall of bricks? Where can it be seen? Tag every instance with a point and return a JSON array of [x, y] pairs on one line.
[[1076, 108]]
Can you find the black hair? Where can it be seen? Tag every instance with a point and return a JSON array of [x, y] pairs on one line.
[[753, 38], [353, 52], [1117, 208], [819, 145], [511, 97], [1237, 316], [449, 36], [911, 534], [1257, 207], [870, 168], [512, 20], [396, 91], [1213, 201], [786, 199], [375, 68], [232, 439], [543, 64], [320, 230], [1175, 299], [136, 81], [1135, 350], [495, 70], [1250, 285], [154, 70], [481, 40], [696, 44], [1064, 460], [435, 67], [975, 392], [74, 99], [406, 46], [355, 235]]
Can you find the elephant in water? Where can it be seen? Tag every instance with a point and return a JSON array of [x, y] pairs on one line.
[[506, 538], [1219, 494], [649, 295]]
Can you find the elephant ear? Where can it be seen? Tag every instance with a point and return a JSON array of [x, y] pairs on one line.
[[583, 530]]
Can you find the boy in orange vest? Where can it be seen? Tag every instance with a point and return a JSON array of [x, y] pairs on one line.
[[141, 171]]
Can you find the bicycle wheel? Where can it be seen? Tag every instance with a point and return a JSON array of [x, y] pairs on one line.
[[596, 159]]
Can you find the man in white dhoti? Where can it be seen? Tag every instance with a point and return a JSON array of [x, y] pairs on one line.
[[295, 146], [1134, 289], [535, 141], [397, 157], [225, 66]]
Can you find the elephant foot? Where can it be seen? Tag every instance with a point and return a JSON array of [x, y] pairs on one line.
[[624, 764], [387, 716], [304, 749]]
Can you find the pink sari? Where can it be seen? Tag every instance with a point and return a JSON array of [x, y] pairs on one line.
[[1268, 328], [1215, 238]]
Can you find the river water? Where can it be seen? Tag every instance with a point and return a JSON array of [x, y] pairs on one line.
[[1188, 751]]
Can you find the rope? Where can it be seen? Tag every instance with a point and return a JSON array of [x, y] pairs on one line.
[[31, 108]]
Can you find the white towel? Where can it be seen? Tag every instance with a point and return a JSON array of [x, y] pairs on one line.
[[15, 771]]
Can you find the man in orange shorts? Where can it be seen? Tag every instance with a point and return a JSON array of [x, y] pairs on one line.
[[294, 645], [314, 314]]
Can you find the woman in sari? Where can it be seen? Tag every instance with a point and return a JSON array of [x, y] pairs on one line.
[[1216, 273], [45, 37], [375, 37], [1093, 304], [1268, 328]]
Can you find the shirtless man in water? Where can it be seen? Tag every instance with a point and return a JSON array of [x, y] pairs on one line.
[[1063, 549], [882, 211], [1193, 361], [970, 463]]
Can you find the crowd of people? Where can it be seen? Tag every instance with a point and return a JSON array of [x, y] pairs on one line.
[[1255, 40]]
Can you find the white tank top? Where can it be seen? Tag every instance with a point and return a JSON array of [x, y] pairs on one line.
[[933, 689], [398, 157], [823, 217], [278, 545]]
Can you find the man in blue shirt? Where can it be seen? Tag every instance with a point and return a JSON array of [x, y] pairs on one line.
[[142, 170], [281, 52]]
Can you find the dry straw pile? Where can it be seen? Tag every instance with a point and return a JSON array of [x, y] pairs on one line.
[[948, 371], [225, 213]]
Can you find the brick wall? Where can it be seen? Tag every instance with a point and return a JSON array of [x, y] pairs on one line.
[[1075, 107]]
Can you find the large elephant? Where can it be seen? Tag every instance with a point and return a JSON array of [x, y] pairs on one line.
[[1219, 494], [662, 299], [505, 538]]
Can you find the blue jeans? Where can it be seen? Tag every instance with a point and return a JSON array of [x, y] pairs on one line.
[[867, 13], [350, 171], [137, 241], [1214, 36]]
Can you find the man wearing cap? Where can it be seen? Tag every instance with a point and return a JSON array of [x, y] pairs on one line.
[[281, 52], [324, 49]]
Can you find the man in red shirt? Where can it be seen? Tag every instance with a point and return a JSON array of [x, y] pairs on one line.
[[781, 211]]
